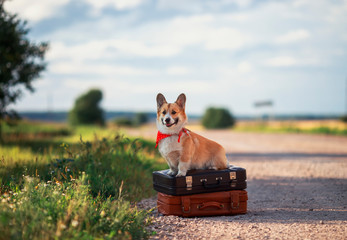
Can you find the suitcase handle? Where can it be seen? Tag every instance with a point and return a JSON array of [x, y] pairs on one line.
[[209, 186], [210, 204]]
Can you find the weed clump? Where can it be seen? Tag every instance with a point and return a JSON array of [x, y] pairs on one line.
[[88, 192], [42, 210]]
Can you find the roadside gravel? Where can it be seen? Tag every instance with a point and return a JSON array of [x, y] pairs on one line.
[[297, 187]]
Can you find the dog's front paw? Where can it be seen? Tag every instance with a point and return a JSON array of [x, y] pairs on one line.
[[213, 168], [181, 174], [171, 173]]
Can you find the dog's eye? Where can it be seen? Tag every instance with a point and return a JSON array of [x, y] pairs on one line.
[[164, 112], [173, 112]]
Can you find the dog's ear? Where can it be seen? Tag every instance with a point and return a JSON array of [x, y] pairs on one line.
[[160, 100], [181, 100]]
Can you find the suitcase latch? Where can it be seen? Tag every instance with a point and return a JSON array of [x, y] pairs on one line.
[[232, 175], [189, 182], [233, 180]]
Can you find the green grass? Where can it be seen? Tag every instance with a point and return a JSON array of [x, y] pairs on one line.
[[25, 128], [267, 128], [78, 186], [67, 211]]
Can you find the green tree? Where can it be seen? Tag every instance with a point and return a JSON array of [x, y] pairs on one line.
[[343, 118], [87, 109], [140, 118], [21, 61], [217, 118]]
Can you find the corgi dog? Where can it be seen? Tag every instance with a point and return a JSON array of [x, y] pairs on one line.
[[182, 149]]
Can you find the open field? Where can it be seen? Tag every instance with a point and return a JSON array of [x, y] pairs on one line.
[[330, 127]]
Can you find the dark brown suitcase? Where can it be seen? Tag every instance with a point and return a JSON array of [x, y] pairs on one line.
[[205, 204], [200, 181]]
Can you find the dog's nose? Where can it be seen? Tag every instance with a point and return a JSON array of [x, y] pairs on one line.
[[167, 120]]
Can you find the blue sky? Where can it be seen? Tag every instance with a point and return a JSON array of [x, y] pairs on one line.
[[227, 53]]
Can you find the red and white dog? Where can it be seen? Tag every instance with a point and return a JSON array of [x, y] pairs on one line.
[[183, 149]]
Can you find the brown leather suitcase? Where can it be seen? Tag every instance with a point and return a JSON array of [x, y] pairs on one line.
[[205, 204]]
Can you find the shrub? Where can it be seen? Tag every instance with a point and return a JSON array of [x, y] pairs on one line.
[[87, 109], [132, 121], [217, 118], [140, 118], [124, 122], [343, 118]]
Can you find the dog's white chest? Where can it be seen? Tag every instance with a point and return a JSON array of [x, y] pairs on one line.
[[168, 145]]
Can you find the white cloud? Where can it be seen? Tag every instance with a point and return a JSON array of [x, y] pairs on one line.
[[109, 48], [199, 6], [98, 69], [83, 85], [240, 3], [35, 10], [293, 36], [208, 31], [244, 67], [282, 61], [224, 39], [182, 5], [177, 70], [144, 49], [77, 52], [235, 71], [163, 39], [301, 58], [98, 5]]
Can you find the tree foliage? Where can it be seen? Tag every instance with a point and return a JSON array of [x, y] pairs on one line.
[[217, 118], [87, 109], [137, 120], [140, 118], [21, 61], [343, 118]]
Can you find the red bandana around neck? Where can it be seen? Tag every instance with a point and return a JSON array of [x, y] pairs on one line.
[[161, 136]]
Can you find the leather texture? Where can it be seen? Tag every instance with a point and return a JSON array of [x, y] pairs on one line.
[[205, 204], [202, 181]]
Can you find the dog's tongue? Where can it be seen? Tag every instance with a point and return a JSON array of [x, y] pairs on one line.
[[169, 124]]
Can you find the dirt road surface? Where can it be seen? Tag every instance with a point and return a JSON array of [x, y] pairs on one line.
[[297, 188]]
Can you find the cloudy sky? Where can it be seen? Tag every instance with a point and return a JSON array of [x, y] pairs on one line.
[[227, 53]]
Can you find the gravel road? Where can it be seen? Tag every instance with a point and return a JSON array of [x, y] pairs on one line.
[[297, 189]]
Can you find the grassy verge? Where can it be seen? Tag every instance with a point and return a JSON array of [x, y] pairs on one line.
[[37, 129], [67, 211], [75, 189], [326, 128]]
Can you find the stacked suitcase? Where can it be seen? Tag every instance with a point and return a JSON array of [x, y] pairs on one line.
[[202, 192]]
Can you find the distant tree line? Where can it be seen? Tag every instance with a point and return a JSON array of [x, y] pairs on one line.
[[137, 120]]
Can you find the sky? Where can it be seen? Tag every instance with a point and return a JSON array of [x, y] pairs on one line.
[[224, 53]]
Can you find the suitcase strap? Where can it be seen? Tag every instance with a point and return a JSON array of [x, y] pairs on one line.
[[234, 200], [185, 204]]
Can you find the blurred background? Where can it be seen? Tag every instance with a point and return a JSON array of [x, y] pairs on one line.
[[84, 75], [254, 58]]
